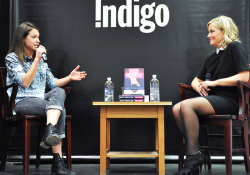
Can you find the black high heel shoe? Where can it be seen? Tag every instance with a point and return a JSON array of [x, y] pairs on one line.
[[206, 160], [193, 163]]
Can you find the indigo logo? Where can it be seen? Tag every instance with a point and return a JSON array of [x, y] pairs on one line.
[[141, 15]]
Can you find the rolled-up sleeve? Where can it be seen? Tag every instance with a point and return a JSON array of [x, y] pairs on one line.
[[50, 79], [15, 69]]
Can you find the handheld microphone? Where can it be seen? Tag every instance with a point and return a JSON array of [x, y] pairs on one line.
[[44, 57], [208, 77]]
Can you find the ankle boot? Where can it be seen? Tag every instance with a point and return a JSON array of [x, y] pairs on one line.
[[59, 167], [192, 165], [50, 137]]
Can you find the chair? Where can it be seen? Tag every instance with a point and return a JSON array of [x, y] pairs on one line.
[[228, 121], [10, 119]]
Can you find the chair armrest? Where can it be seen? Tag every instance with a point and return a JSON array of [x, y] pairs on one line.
[[243, 95], [67, 91], [244, 84], [182, 89]]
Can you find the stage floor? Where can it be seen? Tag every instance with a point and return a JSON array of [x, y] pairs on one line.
[[119, 169]]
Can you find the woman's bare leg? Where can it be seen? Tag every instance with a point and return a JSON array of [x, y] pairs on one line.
[[53, 116], [58, 148]]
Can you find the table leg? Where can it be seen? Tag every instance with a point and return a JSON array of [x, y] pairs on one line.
[[156, 143], [161, 134], [103, 140], [108, 141]]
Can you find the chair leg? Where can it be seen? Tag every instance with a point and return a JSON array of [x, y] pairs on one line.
[[4, 145], [244, 133], [208, 144], [181, 156], [38, 150], [68, 143], [228, 146], [26, 142]]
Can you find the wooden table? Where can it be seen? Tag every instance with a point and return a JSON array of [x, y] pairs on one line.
[[109, 110]]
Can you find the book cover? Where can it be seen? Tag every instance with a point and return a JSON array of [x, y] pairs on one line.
[[134, 81]]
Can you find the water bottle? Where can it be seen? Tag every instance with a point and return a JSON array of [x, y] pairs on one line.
[[109, 90], [154, 89]]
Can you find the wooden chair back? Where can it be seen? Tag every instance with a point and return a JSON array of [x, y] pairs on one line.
[[4, 95], [8, 104]]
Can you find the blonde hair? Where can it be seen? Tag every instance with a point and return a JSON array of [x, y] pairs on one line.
[[228, 27]]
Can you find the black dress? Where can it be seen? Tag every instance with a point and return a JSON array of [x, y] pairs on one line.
[[226, 63]]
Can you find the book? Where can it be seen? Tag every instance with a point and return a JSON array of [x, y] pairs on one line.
[[131, 100], [131, 96], [134, 81], [134, 98]]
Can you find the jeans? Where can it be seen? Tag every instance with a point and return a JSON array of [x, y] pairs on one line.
[[54, 99]]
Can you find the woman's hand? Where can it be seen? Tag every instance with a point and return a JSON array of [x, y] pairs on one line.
[[203, 87], [39, 51], [74, 75], [77, 75]]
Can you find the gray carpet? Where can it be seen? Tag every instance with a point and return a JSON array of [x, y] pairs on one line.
[[119, 169]]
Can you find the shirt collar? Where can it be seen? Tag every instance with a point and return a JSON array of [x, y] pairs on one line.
[[28, 59], [218, 50]]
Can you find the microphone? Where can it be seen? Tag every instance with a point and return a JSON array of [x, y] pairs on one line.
[[44, 57], [208, 77]]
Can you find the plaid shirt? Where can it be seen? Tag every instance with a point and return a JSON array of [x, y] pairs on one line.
[[16, 70]]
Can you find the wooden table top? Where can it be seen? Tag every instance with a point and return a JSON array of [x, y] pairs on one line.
[[162, 103]]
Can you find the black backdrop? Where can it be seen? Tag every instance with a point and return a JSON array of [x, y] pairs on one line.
[[174, 52]]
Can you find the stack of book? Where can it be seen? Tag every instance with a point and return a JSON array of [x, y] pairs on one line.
[[133, 98]]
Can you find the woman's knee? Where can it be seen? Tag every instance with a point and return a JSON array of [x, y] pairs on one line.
[[176, 109], [59, 92], [186, 104]]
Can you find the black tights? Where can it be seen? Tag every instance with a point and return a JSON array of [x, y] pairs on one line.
[[186, 117]]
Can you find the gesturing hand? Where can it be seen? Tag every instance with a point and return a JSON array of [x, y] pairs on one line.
[[77, 75]]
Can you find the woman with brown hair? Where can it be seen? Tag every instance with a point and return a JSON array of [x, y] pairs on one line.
[[25, 66]]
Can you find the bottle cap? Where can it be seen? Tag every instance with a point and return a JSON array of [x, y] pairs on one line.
[[154, 76], [109, 78]]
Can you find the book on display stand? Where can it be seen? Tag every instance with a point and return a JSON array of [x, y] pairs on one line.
[[134, 90], [134, 81]]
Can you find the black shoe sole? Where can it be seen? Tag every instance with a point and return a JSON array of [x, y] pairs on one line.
[[44, 145], [50, 141]]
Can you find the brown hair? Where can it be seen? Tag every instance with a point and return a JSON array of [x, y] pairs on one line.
[[21, 32]]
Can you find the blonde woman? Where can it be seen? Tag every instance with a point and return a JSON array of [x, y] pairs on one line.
[[225, 66]]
